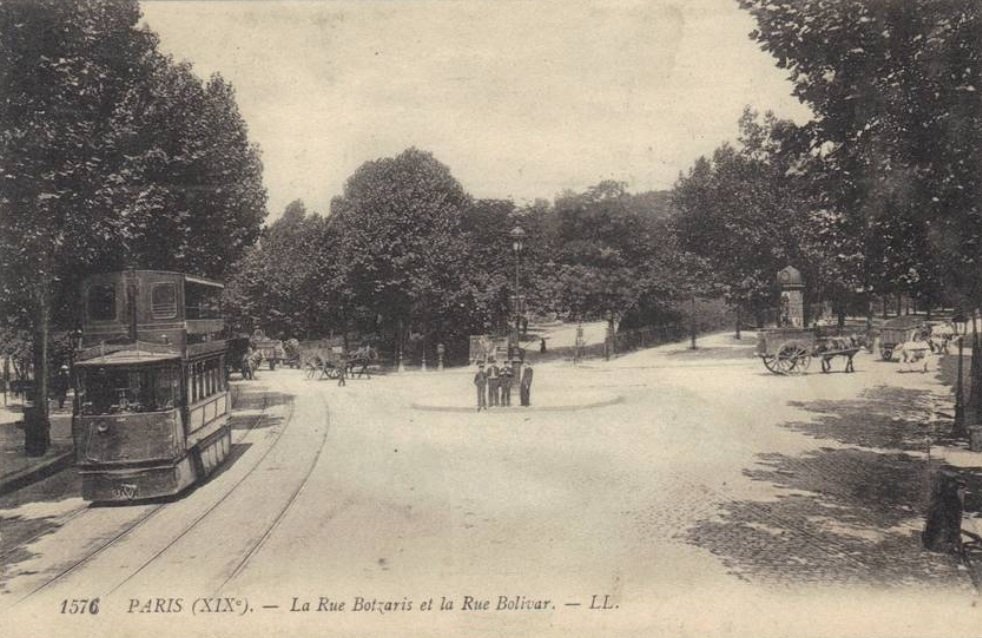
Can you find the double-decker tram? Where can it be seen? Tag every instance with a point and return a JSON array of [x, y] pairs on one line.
[[151, 407]]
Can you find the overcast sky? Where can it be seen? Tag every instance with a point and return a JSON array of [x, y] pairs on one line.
[[519, 99]]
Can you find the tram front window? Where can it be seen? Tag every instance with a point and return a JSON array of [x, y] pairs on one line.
[[128, 390]]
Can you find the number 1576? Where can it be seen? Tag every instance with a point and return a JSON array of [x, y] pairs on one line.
[[80, 606]]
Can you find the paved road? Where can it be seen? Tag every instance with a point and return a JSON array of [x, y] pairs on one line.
[[712, 489]]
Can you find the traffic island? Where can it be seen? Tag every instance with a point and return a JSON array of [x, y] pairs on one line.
[[545, 401]]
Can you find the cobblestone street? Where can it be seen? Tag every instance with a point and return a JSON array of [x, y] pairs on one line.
[[849, 511]]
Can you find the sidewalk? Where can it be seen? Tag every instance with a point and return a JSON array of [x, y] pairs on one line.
[[16, 468]]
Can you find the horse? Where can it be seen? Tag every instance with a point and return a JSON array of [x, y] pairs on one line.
[[914, 352], [828, 349]]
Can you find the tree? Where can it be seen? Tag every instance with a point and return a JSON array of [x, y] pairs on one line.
[[894, 90], [399, 226], [898, 125], [489, 269], [746, 212], [279, 285], [606, 246], [106, 145]]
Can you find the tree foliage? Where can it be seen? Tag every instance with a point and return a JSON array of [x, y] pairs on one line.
[[111, 155], [895, 91], [277, 286], [746, 212]]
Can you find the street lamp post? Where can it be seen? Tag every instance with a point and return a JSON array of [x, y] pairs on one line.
[[517, 244]]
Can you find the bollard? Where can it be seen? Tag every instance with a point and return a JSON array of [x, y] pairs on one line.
[[942, 529]]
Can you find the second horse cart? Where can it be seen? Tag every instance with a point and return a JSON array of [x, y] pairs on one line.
[[790, 350]]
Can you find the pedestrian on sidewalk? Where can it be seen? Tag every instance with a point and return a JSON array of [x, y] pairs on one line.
[[481, 383], [525, 387]]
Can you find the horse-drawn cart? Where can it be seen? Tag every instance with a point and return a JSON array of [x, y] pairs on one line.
[[790, 350], [332, 361], [899, 331], [786, 350]]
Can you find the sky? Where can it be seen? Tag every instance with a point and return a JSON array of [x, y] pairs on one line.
[[521, 99]]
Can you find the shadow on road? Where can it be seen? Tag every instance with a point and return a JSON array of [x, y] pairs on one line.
[[842, 515], [882, 417]]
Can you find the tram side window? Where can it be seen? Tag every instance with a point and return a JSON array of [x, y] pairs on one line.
[[127, 390], [206, 379], [163, 301], [101, 303], [202, 301]]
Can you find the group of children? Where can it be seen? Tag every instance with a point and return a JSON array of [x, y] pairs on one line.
[[494, 383]]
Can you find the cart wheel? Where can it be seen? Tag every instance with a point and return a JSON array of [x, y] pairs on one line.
[[783, 361], [886, 352], [802, 362], [770, 362], [793, 358]]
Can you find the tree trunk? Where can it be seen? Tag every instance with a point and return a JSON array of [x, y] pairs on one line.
[[975, 392], [37, 426]]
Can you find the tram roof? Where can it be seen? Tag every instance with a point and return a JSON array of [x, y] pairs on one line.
[[186, 277], [128, 357]]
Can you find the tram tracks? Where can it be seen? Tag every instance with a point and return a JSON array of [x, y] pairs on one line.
[[214, 506], [255, 549], [132, 526], [88, 508]]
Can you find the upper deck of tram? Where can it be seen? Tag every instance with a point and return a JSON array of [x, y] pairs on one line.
[[171, 309]]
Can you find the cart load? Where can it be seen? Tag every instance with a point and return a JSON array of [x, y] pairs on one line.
[[901, 330]]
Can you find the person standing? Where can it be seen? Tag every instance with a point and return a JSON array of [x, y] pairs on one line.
[[62, 381], [525, 385], [342, 370], [494, 384], [247, 363], [481, 383], [507, 378]]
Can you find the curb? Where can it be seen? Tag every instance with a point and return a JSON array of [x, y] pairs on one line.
[[522, 410], [40, 471]]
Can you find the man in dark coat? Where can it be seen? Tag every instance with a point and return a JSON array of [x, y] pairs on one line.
[[247, 363], [481, 383], [494, 384], [507, 378], [61, 384], [525, 386]]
